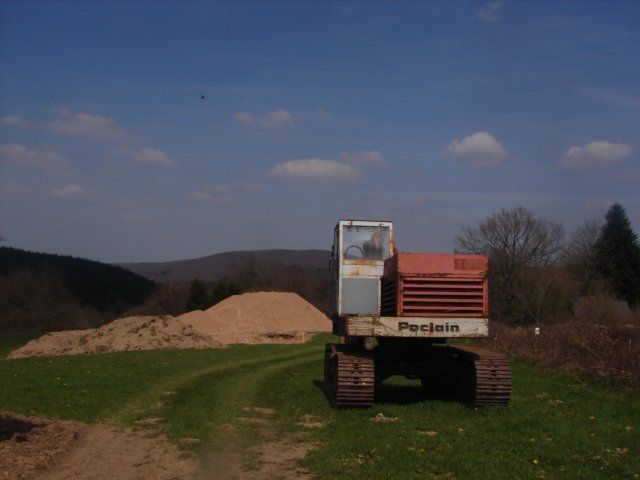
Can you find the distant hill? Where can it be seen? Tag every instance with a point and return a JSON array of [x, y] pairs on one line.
[[214, 267], [97, 284]]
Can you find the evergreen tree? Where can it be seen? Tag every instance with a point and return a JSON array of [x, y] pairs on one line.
[[618, 255], [222, 289], [198, 298]]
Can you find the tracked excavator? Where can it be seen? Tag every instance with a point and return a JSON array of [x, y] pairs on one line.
[[394, 313]]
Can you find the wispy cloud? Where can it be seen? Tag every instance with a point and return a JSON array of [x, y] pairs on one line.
[[150, 156], [595, 154], [44, 159], [315, 169], [481, 148], [221, 193], [13, 121], [612, 98], [205, 194], [87, 125], [105, 128], [278, 118], [490, 11], [365, 158], [221, 187], [68, 191]]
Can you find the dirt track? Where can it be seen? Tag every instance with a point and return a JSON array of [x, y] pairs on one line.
[[44, 449]]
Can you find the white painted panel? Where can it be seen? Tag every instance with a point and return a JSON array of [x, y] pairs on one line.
[[419, 327]]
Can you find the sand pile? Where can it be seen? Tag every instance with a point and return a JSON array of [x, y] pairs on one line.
[[129, 333], [259, 317]]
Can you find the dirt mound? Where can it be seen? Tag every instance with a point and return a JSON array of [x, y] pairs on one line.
[[129, 333], [259, 317], [56, 450]]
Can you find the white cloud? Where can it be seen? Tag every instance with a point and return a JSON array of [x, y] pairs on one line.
[[595, 154], [490, 11], [314, 169], [364, 158], [278, 118], [480, 148], [13, 120], [87, 125], [68, 191], [43, 159], [151, 156]]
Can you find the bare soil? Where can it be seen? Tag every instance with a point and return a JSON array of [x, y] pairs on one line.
[[45, 449], [129, 333], [37, 448], [278, 456], [259, 317]]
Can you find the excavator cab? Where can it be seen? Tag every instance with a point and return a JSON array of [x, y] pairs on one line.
[[357, 263]]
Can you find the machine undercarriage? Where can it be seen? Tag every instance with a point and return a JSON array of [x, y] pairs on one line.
[[470, 374]]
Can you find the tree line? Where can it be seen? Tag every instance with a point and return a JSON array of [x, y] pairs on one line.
[[41, 292], [249, 274], [537, 275]]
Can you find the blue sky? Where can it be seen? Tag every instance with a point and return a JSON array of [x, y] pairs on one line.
[[431, 114]]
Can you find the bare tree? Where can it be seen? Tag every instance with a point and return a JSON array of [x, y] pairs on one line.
[[579, 255], [514, 240]]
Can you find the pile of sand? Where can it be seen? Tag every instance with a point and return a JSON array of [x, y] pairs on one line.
[[64, 450], [259, 317], [129, 333]]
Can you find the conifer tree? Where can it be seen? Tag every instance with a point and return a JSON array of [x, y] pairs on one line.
[[618, 255], [198, 299]]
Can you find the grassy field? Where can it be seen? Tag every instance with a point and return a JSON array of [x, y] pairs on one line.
[[557, 426]]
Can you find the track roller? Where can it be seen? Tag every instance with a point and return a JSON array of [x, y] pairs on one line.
[[486, 377], [348, 376]]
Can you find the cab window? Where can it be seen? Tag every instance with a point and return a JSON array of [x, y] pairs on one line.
[[365, 243]]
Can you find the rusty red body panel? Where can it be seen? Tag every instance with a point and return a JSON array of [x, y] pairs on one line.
[[435, 285]]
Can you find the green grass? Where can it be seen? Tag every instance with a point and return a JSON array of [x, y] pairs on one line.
[[573, 429]]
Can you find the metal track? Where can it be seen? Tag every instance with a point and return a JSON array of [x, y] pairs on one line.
[[348, 376], [486, 377]]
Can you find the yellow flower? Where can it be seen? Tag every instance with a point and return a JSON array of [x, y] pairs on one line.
[[535, 461]]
